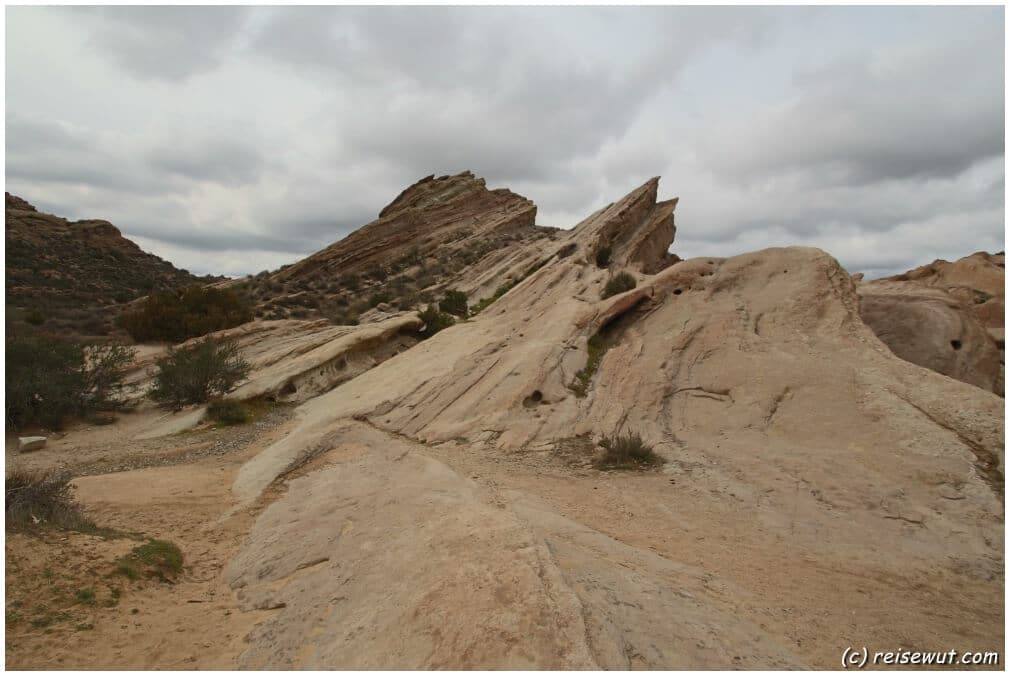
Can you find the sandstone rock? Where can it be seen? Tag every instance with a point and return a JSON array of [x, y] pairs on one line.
[[776, 407], [976, 280], [26, 444], [930, 327]]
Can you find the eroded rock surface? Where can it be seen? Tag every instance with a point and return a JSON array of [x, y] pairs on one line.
[[790, 431]]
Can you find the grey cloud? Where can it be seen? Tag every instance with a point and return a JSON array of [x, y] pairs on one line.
[[167, 43], [226, 161], [882, 117], [877, 135]]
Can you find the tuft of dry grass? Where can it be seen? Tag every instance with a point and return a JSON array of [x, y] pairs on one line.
[[627, 452]]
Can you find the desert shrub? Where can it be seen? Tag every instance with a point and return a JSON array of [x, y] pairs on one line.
[[381, 297], [228, 412], [619, 283], [350, 281], [176, 316], [35, 317], [627, 452], [454, 302], [434, 321], [37, 498], [603, 256], [377, 272], [105, 368], [194, 375], [49, 380]]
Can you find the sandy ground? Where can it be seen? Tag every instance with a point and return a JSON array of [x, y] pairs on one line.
[[192, 624]]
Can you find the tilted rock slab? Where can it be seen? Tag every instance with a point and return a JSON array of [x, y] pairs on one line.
[[753, 376]]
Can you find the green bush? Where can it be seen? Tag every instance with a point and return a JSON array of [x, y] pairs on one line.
[[35, 317], [619, 283], [454, 302], [627, 452], [42, 498], [176, 316], [49, 380], [195, 374], [228, 412], [434, 321]]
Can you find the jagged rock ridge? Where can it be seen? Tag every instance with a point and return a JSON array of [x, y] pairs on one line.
[[417, 248]]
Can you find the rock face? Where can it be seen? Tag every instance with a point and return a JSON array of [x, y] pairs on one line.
[[789, 430], [975, 280], [944, 316], [72, 275], [421, 243], [933, 328]]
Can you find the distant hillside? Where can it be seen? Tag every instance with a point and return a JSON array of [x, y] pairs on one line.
[[421, 244], [71, 277]]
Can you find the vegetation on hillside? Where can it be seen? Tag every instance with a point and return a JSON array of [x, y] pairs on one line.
[[176, 316]]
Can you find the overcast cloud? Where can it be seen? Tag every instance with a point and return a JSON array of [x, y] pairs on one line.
[[232, 140]]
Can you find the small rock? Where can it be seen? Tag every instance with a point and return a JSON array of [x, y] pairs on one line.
[[26, 444]]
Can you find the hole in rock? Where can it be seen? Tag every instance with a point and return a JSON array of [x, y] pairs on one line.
[[956, 344], [289, 388], [677, 292], [533, 399]]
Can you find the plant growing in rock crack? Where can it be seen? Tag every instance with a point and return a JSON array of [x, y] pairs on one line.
[[619, 283], [596, 348]]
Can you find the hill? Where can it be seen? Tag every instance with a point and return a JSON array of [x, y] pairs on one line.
[[73, 276]]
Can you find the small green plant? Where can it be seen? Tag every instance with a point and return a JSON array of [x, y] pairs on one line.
[[434, 321], [128, 568], [86, 596], [627, 452], [596, 347], [454, 302], [619, 283], [228, 412], [35, 317], [499, 292], [156, 558], [195, 374]]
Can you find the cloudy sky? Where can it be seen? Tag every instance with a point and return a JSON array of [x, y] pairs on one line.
[[232, 140]]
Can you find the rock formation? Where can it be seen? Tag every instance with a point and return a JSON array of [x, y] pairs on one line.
[[754, 377], [947, 317], [417, 248]]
